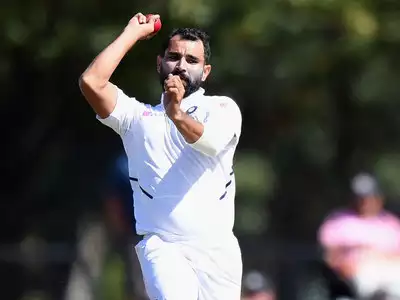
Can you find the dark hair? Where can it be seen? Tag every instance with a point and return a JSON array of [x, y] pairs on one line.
[[190, 34]]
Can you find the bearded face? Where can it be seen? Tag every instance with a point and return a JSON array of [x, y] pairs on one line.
[[192, 82], [184, 58]]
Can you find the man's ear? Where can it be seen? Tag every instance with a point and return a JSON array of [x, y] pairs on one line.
[[159, 60], [206, 72]]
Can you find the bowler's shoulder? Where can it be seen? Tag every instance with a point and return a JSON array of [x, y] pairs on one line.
[[223, 102], [220, 98]]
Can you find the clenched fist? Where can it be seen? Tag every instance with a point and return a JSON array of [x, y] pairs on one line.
[[174, 92], [142, 25]]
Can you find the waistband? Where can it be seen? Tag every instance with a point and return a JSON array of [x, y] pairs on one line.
[[200, 241]]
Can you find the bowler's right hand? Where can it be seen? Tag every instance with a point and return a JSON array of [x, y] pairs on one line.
[[139, 25]]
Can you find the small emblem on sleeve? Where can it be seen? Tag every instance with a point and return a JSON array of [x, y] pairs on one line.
[[147, 113]]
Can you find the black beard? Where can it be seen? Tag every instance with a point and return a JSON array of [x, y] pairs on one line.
[[191, 86]]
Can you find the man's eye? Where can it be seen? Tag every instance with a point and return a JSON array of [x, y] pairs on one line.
[[173, 57], [192, 61]]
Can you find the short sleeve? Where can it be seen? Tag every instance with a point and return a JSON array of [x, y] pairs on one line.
[[342, 231], [126, 112], [222, 127], [328, 235]]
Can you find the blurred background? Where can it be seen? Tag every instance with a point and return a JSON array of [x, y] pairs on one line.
[[316, 80]]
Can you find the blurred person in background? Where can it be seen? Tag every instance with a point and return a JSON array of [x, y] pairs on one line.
[[256, 286], [103, 239], [180, 155], [362, 243]]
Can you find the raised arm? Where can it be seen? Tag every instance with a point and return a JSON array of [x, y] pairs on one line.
[[95, 83]]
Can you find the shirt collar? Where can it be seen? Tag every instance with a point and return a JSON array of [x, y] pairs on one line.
[[199, 92]]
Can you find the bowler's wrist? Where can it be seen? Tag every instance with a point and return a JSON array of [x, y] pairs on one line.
[[132, 34], [177, 116]]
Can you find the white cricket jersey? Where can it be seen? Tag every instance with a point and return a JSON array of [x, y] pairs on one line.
[[179, 192]]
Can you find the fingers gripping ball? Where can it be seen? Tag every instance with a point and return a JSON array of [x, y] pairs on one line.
[[157, 24]]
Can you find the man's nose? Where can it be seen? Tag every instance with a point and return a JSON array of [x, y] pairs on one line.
[[182, 65]]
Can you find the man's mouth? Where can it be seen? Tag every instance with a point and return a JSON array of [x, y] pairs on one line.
[[181, 75], [185, 80]]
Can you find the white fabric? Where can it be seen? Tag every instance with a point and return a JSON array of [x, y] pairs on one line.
[[185, 185], [220, 128], [183, 196], [376, 274], [125, 112], [176, 271]]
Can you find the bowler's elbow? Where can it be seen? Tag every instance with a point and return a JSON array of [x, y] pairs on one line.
[[207, 148], [214, 141], [99, 93], [89, 84], [211, 152], [88, 90], [85, 85]]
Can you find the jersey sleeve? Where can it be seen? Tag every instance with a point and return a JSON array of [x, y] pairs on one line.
[[340, 232], [222, 127], [126, 112], [328, 235]]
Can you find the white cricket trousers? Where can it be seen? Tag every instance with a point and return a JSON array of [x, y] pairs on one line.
[[378, 275], [185, 271]]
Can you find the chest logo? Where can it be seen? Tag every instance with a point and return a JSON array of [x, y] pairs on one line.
[[191, 110]]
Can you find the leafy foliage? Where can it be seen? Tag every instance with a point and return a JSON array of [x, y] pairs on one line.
[[317, 82]]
